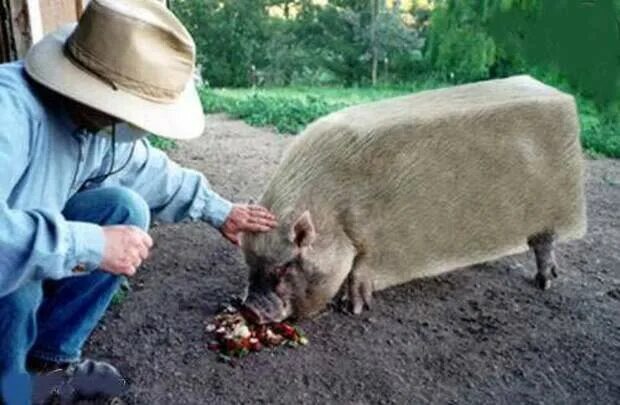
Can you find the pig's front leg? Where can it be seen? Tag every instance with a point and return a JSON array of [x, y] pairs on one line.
[[543, 246], [360, 287]]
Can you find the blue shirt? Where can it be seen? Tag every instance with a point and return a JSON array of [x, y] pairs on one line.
[[45, 159]]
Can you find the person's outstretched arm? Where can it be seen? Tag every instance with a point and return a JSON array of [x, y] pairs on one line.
[[174, 193]]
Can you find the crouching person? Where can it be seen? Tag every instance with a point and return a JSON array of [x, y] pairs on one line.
[[79, 185]]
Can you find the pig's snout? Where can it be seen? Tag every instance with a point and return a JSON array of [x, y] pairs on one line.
[[263, 308]]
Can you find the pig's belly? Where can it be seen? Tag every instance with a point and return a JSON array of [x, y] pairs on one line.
[[389, 272], [438, 224]]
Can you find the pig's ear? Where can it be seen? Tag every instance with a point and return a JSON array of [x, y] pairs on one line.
[[303, 233]]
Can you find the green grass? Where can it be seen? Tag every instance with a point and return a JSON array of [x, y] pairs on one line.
[[600, 125], [600, 129], [118, 297], [122, 293], [162, 143], [291, 109]]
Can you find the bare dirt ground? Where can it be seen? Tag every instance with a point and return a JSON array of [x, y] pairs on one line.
[[481, 335]]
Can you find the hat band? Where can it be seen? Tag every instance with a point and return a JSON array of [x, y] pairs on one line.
[[87, 62]]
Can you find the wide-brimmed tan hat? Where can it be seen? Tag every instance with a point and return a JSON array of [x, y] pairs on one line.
[[131, 59]]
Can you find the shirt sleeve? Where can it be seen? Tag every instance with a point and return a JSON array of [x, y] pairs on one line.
[[173, 193], [35, 244]]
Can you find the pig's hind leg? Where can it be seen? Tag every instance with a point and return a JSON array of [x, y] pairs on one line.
[[543, 246]]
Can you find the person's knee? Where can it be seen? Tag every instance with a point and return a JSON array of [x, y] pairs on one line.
[[109, 206], [135, 210], [129, 208]]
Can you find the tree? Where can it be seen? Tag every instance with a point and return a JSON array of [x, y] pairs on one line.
[[574, 38], [459, 47], [345, 42], [357, 35], [374, 45], [229, 36], [478, 39]]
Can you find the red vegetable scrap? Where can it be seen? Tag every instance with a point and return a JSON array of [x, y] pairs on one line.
[[234, 336]]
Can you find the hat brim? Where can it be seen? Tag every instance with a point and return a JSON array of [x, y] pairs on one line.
[[47, 64]]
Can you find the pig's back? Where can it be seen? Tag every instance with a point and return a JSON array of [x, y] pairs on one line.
[[441, 179]]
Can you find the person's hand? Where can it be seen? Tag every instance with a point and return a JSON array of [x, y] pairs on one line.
[[247, 218], [125, 249]]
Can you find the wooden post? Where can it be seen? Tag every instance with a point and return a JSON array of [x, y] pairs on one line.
[[5, 30], [16, 32], [79, 8], [33, 11]]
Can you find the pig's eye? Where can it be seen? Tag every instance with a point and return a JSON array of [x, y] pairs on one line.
[[282, 271], [287, 268]]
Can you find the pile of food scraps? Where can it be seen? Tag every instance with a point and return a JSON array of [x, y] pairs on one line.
[[232, 335]]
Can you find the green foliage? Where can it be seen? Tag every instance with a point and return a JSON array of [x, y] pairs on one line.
[[600, 125], [575, 37], [480, 39], [290, 109], [122, 293], [459, 48], [600, 130], [162, 143], [119, 297], [465, 55], [229, 37], [239, 44], [260, 108], [346, 40]]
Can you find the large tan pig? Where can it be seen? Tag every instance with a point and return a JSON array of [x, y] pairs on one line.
[[379, 194]]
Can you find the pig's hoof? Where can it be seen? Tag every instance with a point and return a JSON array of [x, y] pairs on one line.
[[543, 279], [360, 294], [357, 306], [542, 282], [340, 303]]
